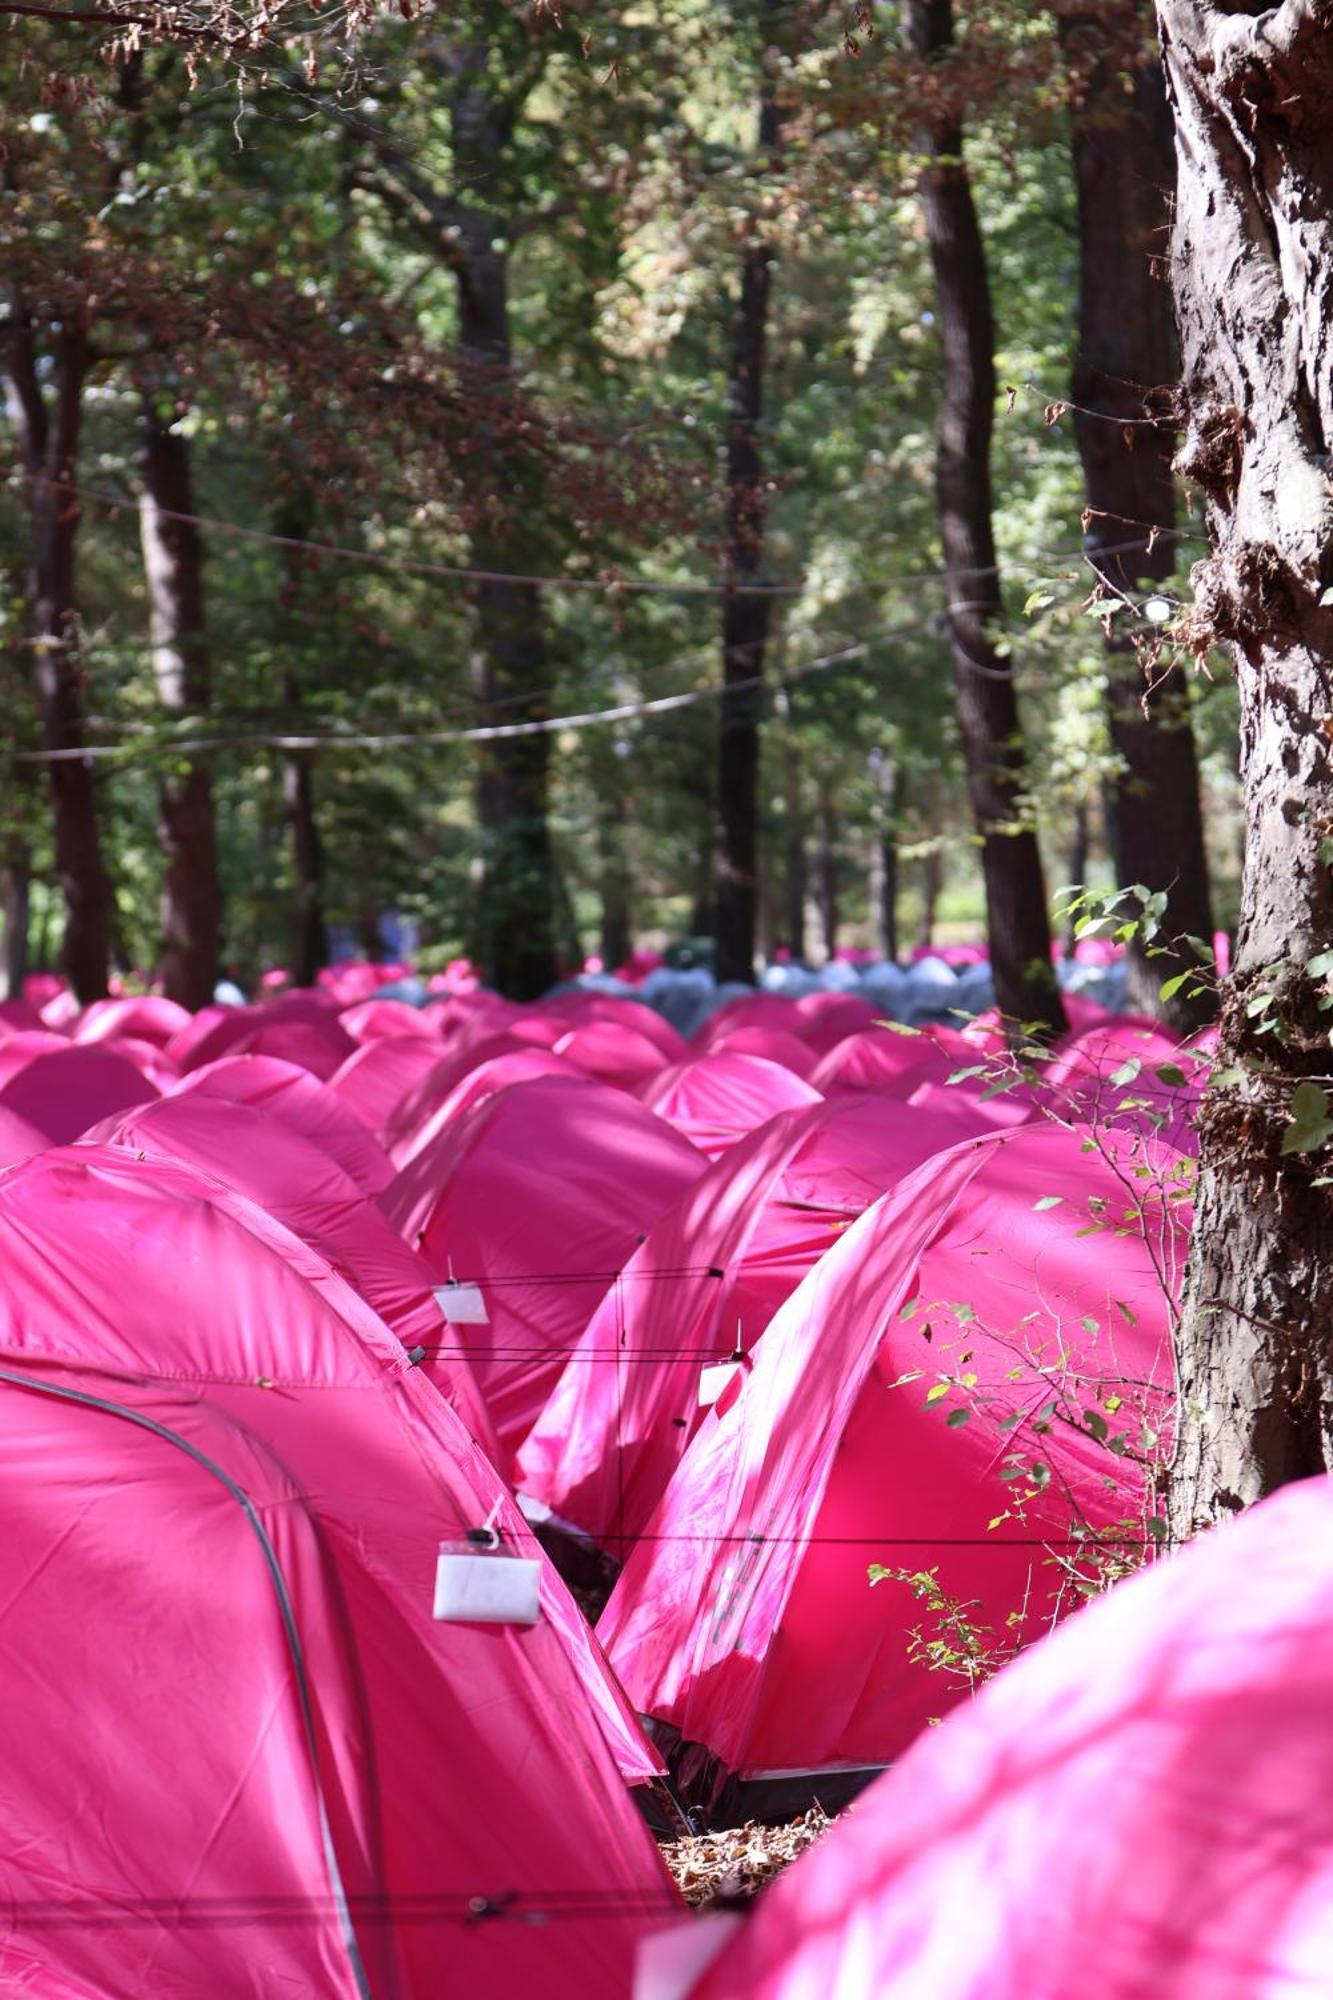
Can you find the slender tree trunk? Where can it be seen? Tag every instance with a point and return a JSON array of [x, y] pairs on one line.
[[932, 883], [512, 669], [884, 855], [796, 872], [617, 940], [745, 613], [830, 914], [15, 901], [173, 567], [1076, 866], [1252, 253], [48, 433], [309, 934], [1123, 375], [1017, 921]]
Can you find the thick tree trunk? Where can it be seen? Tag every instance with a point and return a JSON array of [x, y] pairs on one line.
[[1125, 367], [49, 447], [1252, 254], [1076, 866], [308, 948], [173, 568], [745, 612], [1017, 921], [796, 872]]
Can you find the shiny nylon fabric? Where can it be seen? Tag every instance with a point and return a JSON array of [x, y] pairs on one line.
[[296, 1098], [714, 1269], [1007, 1254], [486, 1767], [715, 1099], [1141, 1805], [523, 1064], [613, 1052], [540, 1195], [64, 1091], [304, 1189], [375, 1079]]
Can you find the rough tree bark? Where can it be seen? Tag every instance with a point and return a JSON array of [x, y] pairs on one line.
[[932, 884], [1252, 255], [1122, 387], [745, 610], [1017, 922], [15, 909], [173, 567], [47, 426], [795, 870], [613, 869]]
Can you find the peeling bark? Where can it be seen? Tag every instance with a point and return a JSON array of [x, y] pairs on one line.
[[1252, 259]]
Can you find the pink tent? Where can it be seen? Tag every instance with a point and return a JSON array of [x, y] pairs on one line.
[[18, 1139], [613, 1052], [300, 1100], [422, 1101], [375, 1080], [1157, 1776], [715, 1099], [17, 1017], [295, 1029], [539, 1196], [827, 1017], [891, 1060], [709, 1278], [521, 1065], [777, 1045], [66, 1091], [145, 1017], [542, 1030], [18, 1050], [302, 1187], [580, 1008], [773, 1011], [222, 1499], [370, 1020], [148, 1058], [976, 1364]]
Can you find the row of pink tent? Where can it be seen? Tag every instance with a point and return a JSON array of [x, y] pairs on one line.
[[321, 1282]]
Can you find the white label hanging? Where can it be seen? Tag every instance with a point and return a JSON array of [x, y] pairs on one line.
[[714, 1379], [462, 1304], [483, 1587]]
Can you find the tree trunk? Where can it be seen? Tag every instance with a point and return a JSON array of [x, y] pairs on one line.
[[15, 900], [745, 612], [173, 568], [1017, 922], [617, 940], [1076, 866], [309, 934], [830, 915], [49, 448], [512, 672], [884, 855], [1252, 252], [796, 872], [932, 882], [1125, 366]]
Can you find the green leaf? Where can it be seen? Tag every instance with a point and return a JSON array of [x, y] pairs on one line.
[[956, 1418], [1170, 1073], [1311, 1119], [935, 1391], [1126, 1072], [1320, 965], [1097, 1424], [1048, 1201], [1170, 987]]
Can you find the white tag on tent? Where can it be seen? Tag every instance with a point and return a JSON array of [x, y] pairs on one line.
[[668, 1963], [461, 1304], [481, 1587], [714, 1379]]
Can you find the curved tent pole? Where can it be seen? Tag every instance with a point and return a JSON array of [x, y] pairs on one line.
[[17, 1380]]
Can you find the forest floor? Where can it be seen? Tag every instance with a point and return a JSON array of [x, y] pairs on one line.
[[713, 1870]]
